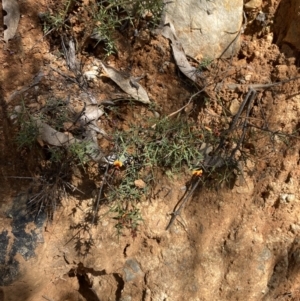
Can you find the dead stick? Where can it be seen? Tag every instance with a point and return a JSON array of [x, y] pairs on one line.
[[176, 212], [245, 124], [262, 86], [182, 108], [100, 193]]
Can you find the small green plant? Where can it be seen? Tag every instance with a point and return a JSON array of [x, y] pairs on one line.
[[55, 113], [55, 21], [204, 64], [81, 152], [29, 131], [170, 145], [57, 154], [28, 134], [52, 22], [106, 20], [55, 162], [151, 9], [126, 218], [174, 144]]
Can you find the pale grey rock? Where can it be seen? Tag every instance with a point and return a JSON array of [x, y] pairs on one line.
[[206, 29]]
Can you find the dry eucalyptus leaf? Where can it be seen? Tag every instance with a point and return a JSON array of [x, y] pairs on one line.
[[52, 136], [11, 20], [178, 52], [94, 150], [91, 113], [89, 119], [94, 127], [131, 87], [71, 58]]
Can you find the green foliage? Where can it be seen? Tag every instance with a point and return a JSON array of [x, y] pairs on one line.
[[106, 21], [55, 113], [106, 17], [126, 218], [153, 8], [81, 152], [204, 63], [57, 154], [111, 15], [28, 131], [28, 134], [56, 162], [126, 189], [55, 21], [171, 144], [52, 22]]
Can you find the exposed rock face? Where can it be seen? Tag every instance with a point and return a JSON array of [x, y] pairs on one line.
[[207, 29]]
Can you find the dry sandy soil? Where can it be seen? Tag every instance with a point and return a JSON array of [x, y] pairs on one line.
[[231, 242]]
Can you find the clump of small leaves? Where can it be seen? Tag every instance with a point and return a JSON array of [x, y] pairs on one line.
[[127, 218], [81, 152], [55, 20], [204, 64], [150, 9], [27, 134], [171, 144], [28, 131]]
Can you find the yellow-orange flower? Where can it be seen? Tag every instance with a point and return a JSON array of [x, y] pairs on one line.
[[118, 164], [197, 172]]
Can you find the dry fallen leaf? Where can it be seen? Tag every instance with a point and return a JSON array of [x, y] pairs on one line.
[[89, 119], [52, 136], [11, 20], [131, 87], [178, 52], [91, 113]]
